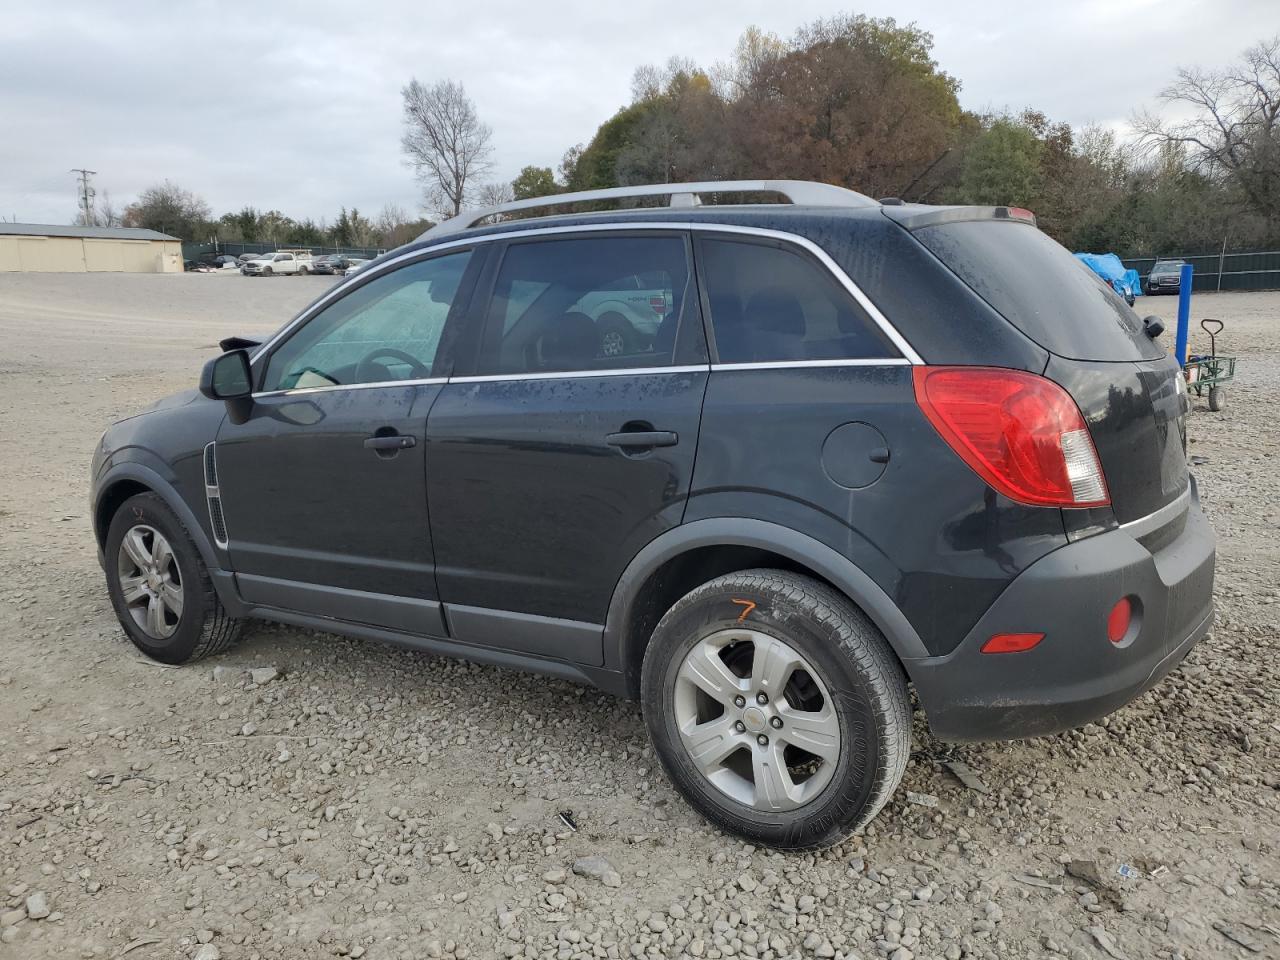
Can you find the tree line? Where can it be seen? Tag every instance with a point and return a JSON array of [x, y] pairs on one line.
[[860, 102]]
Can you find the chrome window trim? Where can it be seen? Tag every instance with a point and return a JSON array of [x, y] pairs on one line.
[[801, 364], [1154, 521], [299, 391], [582, 374], [587, 374], [841, 277]]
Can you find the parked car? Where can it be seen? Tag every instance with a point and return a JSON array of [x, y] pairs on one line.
[[329, 263], [218, 261], [1165, 277], [281, 262], [336, 263], [246, 257], [354, 264], [869, 444], [255, 265]]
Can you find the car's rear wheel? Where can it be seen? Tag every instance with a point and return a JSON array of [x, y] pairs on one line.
[[160, 587], [616, 335], [776, 708]]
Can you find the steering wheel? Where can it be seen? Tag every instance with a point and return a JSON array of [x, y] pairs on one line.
[[367, 369]]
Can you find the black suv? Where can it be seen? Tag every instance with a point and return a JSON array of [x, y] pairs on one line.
[[869, 444]]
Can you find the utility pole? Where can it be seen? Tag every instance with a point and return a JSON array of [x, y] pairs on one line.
[[86, 193]]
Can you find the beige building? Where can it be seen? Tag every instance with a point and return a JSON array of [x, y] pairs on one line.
[[46, 248]]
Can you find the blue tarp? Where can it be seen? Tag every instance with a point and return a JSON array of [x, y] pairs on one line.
[[1109, 268]]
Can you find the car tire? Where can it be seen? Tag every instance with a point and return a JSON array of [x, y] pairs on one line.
[[267, 271], [201, 626], [843, 693], [617, 335]]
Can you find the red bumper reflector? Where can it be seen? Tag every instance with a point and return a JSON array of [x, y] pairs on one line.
[[1011, 642], [1118, 620]]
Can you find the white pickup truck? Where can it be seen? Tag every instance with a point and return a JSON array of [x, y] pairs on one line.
[[280, 262]]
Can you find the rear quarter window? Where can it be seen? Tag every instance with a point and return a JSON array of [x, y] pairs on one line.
[[770, 303], [1040, 288]]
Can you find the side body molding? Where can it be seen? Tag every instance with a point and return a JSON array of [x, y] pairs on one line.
[[619, 645]]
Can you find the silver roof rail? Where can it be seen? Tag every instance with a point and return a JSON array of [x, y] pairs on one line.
[[799, 192]]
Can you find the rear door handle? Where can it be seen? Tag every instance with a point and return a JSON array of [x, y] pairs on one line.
[[394, 442], [643, 438]]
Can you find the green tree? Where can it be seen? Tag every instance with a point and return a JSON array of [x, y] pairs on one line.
[[534, 182], [1002, 167]]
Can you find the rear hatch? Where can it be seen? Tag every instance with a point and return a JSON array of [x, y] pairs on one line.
[[1129, 390]]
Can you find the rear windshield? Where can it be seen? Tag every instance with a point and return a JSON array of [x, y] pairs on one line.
[[1040, 288]]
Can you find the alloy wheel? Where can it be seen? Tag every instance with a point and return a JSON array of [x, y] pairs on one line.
[[613, 344], [756, 719], [150, 581]]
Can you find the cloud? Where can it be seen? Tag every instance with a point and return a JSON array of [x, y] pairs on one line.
[[296, 106]]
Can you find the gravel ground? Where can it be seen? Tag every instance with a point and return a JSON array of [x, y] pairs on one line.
[[358, 800]]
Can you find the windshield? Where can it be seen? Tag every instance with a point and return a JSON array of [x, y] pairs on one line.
[[1167, 267]]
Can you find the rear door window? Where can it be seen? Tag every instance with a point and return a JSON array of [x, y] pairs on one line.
[[580, 305], [769, 303], [1041, 289]]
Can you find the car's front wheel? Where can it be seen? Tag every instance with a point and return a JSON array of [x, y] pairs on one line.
[[160, 587], [777, 708]]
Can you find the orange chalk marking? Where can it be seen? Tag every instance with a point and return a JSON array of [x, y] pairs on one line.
[[747, 605]]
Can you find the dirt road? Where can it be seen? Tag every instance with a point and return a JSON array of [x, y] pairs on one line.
[[369, 801]]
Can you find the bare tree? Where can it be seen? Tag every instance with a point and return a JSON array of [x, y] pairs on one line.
[[1233, 130], [445, 142], [105, 212], [495, 194]]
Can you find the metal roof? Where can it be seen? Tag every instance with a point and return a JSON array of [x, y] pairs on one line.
[[92, 233]]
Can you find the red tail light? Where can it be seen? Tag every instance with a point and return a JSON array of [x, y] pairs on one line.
[[1021, 433]]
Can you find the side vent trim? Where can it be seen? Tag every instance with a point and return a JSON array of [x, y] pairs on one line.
[[217, 521]]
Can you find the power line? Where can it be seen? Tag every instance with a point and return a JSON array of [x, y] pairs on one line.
[[87, 192]]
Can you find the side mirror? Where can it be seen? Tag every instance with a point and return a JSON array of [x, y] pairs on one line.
[[229, 378], [1153, 325]]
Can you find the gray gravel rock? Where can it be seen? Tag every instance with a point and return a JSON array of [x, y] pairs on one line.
[[598, 868], [38, 905]]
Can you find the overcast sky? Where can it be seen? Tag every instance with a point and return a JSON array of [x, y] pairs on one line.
[[296, 106]]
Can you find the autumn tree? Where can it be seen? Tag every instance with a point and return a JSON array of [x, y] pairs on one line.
[[856, 101], [445, 142]]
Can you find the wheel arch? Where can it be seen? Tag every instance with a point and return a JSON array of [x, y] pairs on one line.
[[693, 553], [128, 479]]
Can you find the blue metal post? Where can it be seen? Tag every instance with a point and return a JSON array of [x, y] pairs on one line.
[[1184, 314]]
